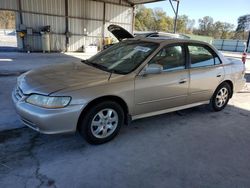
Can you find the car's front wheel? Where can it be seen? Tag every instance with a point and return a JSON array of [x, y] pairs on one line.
[[221, 97], [102, 122]]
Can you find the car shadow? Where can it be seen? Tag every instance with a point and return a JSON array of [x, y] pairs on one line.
[[247, 77]]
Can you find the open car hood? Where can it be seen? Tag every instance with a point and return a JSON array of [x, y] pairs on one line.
[[119, 32]]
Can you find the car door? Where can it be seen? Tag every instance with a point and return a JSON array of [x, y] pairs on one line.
[[168, 89], [206, 72]]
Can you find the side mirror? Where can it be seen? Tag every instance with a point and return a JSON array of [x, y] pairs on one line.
[[153, 69]]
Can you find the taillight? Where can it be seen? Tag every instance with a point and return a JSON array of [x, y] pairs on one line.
[[244, 57]]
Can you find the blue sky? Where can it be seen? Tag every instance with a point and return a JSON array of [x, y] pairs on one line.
[[220, 10]]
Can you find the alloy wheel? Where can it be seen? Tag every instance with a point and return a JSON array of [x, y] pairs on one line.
[[222, 97], [104, 123]]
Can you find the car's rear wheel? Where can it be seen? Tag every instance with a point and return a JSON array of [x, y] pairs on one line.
[[102, 122], [221, 97]]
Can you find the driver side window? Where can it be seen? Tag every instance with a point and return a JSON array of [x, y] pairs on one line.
[[171, 58]]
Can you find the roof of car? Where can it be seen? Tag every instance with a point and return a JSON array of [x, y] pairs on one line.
[[166, 40], [160, 34]]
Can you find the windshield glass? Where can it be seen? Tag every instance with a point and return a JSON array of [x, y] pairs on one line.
[[123, 57]]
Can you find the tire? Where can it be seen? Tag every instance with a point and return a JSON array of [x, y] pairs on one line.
[[220, 97], [102, 122]]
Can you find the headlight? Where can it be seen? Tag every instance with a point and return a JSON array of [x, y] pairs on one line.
[[47, 101]]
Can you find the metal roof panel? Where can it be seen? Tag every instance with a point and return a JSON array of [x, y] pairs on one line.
[[141, 1]]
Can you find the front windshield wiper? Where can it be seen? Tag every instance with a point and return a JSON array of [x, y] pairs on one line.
[[95, 65], [86, 61], [102, 67], [117, 71], [99, 66]]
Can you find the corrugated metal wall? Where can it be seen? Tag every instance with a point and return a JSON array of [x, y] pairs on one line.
[[8, 4], [86, 9], [57, 24], [86, 27], [118, 15], [56, 7], [86, 22]]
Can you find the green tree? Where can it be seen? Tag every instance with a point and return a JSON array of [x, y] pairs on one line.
[[162, 21], [206, 26], [222, 30], [242, 27], [190, 25], [217, 30], [227, 31], [184, 24], [148, 19], [144, 19], [243, 23]]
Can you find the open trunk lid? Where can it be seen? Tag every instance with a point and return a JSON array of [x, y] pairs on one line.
[[119, 32]]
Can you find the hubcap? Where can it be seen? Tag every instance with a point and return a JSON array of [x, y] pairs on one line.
[[104, 123], [221, 97]]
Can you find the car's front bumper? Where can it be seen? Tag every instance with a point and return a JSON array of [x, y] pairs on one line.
[[48, 121]]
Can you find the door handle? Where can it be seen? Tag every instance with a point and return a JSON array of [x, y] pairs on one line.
[[182, 81], [218, 75]]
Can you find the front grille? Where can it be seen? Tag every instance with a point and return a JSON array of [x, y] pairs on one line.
[[18, 93]]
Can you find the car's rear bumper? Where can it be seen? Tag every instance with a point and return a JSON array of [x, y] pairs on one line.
[[48, 121], [239, 84]]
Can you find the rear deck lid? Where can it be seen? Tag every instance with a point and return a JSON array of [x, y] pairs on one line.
[[119, 32]]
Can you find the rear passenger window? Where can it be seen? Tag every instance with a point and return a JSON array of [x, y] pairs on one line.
[[201, 57]]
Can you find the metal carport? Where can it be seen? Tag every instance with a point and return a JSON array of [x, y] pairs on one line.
[[74, 23]]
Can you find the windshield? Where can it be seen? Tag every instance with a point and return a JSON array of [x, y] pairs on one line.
[[123, 57]]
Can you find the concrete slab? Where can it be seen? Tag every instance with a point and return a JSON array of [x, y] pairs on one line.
[[194, 148], [8, 117], [21, 62]]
